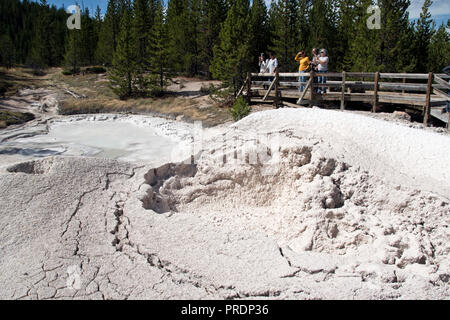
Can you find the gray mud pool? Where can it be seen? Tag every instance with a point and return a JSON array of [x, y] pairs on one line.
[[112, 139]]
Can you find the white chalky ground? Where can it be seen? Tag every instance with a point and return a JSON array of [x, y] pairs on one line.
[[346, 207]]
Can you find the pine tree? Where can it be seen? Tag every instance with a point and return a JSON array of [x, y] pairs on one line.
[[346, 30], [159, 51], [97, 23], [179, 37], [322, 31], [98, 18], [424, 32], [192, 62], [73, 55], [212, 15], [258, 30], [109, 33], [36, 31], [232, 55], [285, 25], [123, 72], [142, 23], [397, 35], [88, 39], [58, 35], [141, 27], [304, 20], [439, 50], [365, 45], [7, 57], [41, 54]]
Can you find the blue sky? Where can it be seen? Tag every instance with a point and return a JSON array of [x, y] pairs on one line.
[[439, 10]]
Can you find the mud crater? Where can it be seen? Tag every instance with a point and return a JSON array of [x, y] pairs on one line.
[[33, 167], [266, 183]]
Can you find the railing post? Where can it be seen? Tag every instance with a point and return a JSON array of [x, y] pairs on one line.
[[448, 123], [343, 91], [427, 110], [249, 87], [276, 101], [313, 85], [375, 93]]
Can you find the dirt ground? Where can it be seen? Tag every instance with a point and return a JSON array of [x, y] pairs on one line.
[[186, 98]]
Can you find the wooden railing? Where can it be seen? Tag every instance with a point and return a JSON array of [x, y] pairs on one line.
[[372, 87]]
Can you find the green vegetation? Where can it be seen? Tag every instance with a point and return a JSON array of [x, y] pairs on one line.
[[159, 55], [123, 74], [70, 72], [96, 70], [240, 109], [146, 44], [223, 95], [232, 55]]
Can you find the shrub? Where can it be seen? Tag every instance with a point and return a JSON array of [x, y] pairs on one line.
[[2, 124], [240, 109], [222, 96], [70, 72], [96, 70], [38, 72]]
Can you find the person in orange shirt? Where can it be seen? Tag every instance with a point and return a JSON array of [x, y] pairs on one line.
[[303, 68]]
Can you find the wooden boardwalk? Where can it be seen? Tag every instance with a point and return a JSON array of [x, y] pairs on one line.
[[424, 92]]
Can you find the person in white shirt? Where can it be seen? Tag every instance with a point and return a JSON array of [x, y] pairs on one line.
[[323, 68], [263, 62], [272, 66]]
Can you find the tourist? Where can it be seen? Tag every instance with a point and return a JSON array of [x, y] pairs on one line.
[[315, 64], [323, 68], [272, 65], [315, 60], [303, 68], [263, 62]]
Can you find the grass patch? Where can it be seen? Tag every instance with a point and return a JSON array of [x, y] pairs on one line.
[[169, 106], [17, 78], [10, 117], [90, 106]]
